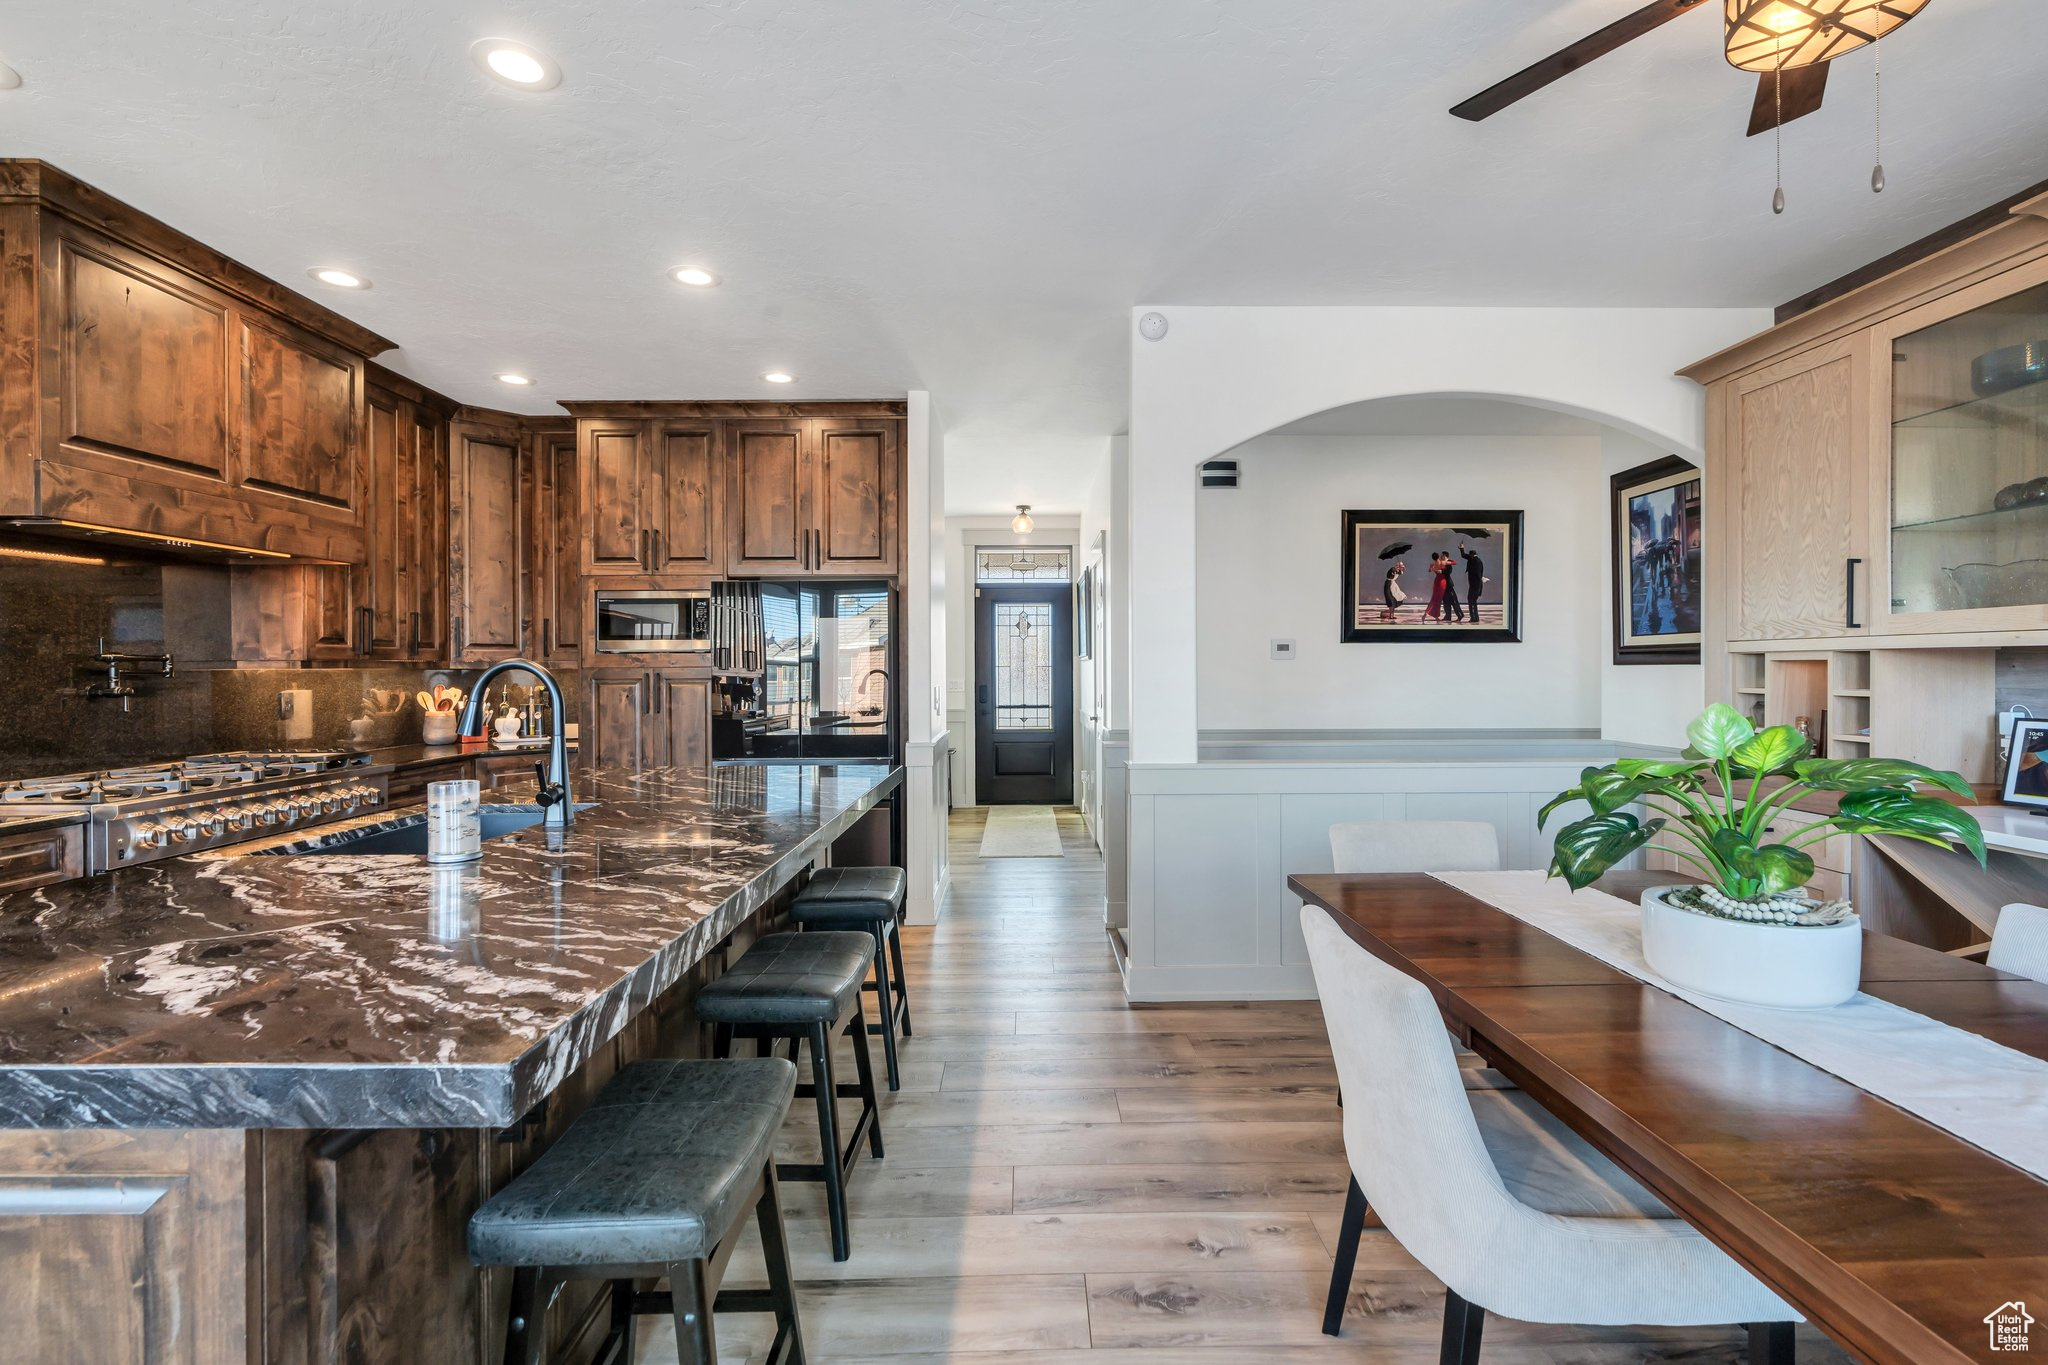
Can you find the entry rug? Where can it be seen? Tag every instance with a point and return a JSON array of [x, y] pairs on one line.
[[1021, 832], [1981, 1091]]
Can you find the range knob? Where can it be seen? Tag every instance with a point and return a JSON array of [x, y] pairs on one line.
[[330, 802], [307, 806], [150, 835], [181, 831], [208, 823], [352, 797], [372, 797]]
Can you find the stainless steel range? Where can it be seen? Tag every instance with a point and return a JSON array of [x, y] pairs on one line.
[[164, 809]]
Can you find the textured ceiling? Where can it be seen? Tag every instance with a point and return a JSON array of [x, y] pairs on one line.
[[968, 197]]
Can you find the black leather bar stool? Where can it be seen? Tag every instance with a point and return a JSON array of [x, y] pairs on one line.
[[806, 987], [869, 898], [654, 1180]]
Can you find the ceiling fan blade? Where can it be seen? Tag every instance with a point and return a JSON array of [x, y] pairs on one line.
[[1804, 86], [1528, 81]]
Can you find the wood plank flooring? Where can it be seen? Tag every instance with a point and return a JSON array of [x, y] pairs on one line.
[[1071, 1181]]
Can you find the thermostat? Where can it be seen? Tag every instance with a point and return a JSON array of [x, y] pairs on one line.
[[1152, 326]]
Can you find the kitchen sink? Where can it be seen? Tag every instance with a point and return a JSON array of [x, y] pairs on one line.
[[410, 836]]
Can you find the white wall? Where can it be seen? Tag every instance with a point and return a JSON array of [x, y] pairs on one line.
[[1268, 555], [1224, 375], [1641, 703], [927, 797]]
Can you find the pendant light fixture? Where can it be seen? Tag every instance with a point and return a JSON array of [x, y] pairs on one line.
[[1778, 35], [1022, 522]]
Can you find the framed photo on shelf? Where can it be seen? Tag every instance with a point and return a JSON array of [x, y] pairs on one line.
[[2026, 766], [1656, 556], [1447, 576]]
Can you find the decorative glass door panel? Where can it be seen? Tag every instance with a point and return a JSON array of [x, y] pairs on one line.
[[1024, 661], [1969, 467]]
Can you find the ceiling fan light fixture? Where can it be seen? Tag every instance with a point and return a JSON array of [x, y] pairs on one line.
[[1022, 522], [1783, 35]]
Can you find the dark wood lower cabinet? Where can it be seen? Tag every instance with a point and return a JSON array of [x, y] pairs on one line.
[[287, 1247], [41, 857], [646, 717]]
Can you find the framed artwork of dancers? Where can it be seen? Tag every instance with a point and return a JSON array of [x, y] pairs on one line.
[[1435, 575]]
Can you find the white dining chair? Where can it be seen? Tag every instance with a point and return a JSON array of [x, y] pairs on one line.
[[2019, 941], [1416, 846], [1516, 1214]]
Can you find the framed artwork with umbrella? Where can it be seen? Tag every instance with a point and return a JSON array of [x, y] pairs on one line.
[[1452, 576]]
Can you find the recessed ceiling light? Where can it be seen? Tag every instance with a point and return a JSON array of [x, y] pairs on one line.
[[778, 377], [515, 64], [9, 78], [696, 276], [514, 379], [340, 279]]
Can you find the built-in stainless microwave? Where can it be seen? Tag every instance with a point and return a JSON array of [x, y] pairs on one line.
[[653, 620]]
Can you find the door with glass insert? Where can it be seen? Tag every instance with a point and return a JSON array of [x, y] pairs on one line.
[[1967, 513], [1024, 695]]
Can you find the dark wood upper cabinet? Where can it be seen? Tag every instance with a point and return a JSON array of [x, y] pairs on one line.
[[150, 384], [853, 495], [767, 497], [684, 496], [144, 362], [424, 594], [488, 488], [557, 541], [615, 482], [298, 417]]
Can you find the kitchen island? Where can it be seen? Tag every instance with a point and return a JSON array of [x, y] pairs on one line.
[[253, 1097]]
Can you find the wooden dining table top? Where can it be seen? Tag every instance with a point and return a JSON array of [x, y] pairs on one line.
[[1890, 1234]]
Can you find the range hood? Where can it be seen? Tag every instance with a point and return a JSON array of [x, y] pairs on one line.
[[152, 543]]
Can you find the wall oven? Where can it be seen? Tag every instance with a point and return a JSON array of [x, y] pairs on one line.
[[653, 620]]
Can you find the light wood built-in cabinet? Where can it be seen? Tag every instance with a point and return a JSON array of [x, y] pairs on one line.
[[1876, 502]]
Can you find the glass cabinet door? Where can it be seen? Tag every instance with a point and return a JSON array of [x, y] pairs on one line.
[[1969, 466]]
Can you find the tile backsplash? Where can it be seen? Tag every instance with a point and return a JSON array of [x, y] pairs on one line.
[[53, 618]]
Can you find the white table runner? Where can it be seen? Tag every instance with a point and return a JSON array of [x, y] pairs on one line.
[[1983, 1092]]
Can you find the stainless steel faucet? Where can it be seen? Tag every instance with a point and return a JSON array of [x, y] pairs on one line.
[[554, 796]]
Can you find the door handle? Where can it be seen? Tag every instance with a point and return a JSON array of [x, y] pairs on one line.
[[646, 692], [660, 554], [1849, 596], [415, 633], [547, 637], [656, 690], [981, 695]]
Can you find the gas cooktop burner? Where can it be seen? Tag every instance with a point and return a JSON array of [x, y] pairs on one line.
[[205, 772]]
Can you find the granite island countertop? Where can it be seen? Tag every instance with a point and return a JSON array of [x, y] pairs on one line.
[[376, 991]]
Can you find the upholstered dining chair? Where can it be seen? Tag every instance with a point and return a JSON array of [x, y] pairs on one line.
[[1516, 1214], [1415, 846], [1396, 846], [2019, 941]]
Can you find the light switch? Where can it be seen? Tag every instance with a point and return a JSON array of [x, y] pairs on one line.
[[1280, 649]]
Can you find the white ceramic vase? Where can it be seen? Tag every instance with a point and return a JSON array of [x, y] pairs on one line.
[[438, 727], [1780, 965]]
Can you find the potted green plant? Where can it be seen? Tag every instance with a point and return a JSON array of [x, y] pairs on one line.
[[1750, 933]]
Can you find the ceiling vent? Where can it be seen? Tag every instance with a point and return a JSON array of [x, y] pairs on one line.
[[1219, 474]]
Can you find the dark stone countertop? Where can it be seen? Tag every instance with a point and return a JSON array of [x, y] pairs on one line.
[[376, 991], [34, 820]]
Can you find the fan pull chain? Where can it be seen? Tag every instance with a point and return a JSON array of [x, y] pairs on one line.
[[1778, 198], [1877, 119]]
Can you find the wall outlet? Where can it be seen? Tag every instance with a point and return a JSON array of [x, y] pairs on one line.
[[295, 715], [1280, 649]]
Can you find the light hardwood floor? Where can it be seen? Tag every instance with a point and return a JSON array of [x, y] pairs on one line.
[[1072, 1181]]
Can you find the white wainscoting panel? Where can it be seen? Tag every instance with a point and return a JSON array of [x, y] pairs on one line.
[[1212, 846]]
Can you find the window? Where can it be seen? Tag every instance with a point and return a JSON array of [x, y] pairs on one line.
[[1024, 564], [1023, 650]]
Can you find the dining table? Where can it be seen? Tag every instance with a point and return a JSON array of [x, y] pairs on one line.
[[1897, 1238]]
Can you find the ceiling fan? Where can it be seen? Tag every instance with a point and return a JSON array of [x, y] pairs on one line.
[[1790, 42]]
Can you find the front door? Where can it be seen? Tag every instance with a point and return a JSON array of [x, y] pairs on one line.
[[1024, 695]]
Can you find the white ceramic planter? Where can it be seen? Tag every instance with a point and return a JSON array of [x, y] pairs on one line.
[[1753, 964]]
